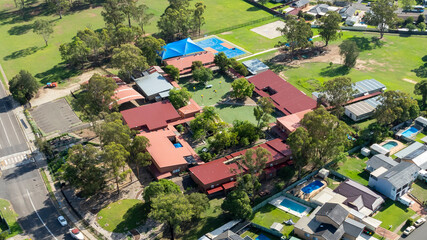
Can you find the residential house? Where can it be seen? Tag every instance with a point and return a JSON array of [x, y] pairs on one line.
[[229, 235], [321, 10], [363, 109], [411, 148], [359, 197], [380, 160], [422, 121], [153, 85], [415, 153], [347, 12], [255, 66], [290, 123], [396, 181], [300, 3]]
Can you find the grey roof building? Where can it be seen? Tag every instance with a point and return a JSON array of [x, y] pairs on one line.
[[228, 235], [321, 9], [421, 121], [154, 85], [363, 109], [401, 174], [406, 151], [378, 149], [300, 3], [347, 12], [255, 66], [335, 212], [368, 86], [380, 160], [353, 227]]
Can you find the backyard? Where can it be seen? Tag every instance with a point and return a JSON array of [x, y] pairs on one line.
[[393, 214], [10, 215], [419, 190], [353, 168], [269, 214], [258, 234]]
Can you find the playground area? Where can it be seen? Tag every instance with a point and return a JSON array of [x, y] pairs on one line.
[[270, 30], [216, 45]]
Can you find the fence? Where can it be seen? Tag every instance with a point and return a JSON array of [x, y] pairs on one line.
[[272, 232]]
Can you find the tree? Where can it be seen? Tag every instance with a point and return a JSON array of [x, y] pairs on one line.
[[138, 152], [122, 34], [239, 67], [150, 46], [128, 58], [242, 88], [411, 27], [179, 97], [202, 74], [297, 34], [263, 111], [198, 19], [255, 160], [113, 13], [263, 2], [113, 130], [199, 202], [299, 142], [222, 140], [175, 22], [97, 95], [329, 28], [172, 71], [43, 28], [421, 26], [196, 65], [338, 92], [383, 15], [237, 204], [172, 209], [206, 121], [62, 6], [23, 86], [141, 15], [114, 158], [92, 41], [246, 132], [248, 184], [396, 107], [161, 187], [129, 8], [421, 19], [350, 52], [222, 61], [407, 4], [82, 169], [74, 53]]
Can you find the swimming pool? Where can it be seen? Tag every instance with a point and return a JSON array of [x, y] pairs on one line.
[[262, 237], [293, 206], [409, 132], [177, 145], [312, 186], [216, 45], [389, 145]]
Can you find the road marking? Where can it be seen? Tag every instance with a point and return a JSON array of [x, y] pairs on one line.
[[4, 129], [39, 216], [14, 130]]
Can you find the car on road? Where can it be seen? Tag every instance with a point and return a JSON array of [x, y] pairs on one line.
[[76, 234], [419, 222], [408, 230], [62, 221]]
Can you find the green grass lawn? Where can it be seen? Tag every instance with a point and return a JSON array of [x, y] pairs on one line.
[[10, 215], [419, 190], [419, 137], [353, 168], [254, 233], [123, 215], [269, 214], [393, 213], [389, 64]]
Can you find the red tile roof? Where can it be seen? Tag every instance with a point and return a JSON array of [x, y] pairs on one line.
[[292, 122], [186, 61], [287, 98], [125, 93], [229, 185], [215, 190], [152, 116], [191, 108]]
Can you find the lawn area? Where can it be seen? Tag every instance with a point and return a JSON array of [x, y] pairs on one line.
[[393, 213], [10, 215], [419, 137], [353, 168], [269, 214], [123, 215], [390, 64], [254, 233], [419, 190]]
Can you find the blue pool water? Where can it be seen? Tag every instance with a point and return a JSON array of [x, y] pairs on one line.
[[293, 205], [409, 132], [312, 186], [390, 145], [215, 43], [177, 145], [262, 237]]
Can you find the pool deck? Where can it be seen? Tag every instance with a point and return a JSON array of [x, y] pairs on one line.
[[276, 202], [396, 149]]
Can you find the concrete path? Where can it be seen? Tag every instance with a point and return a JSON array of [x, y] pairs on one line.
[[387, 234]]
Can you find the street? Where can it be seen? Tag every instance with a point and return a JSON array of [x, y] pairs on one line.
[[25, 189], [418, 234]]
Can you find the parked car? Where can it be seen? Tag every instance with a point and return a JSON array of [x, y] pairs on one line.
[[62, 221], [408, 230], [419, 222], [76, 234]]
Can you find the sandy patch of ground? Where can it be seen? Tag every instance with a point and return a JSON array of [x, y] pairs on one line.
[[226, 33], [269, 30], [409, 80], [332, 55]]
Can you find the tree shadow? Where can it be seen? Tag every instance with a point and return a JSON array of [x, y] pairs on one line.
[[22, 53], [377, 42], [335, 71], [363, 43], [134, 217], [421, 71], [424, 58], [19, 30], [59, 73], [252, 9]]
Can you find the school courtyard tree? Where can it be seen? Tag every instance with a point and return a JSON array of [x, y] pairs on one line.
[[114, 158], [396, 107], [263, 111], [202, 74], [150, 46], [222, 61], [206, 122], [297, 34], [237, 204], [350, 52], [246, 132], [113, 130], [329, 28], [161, 187], [242, 88], [172, 71], [199, 202], [249, 184], [299, 142], [23, 86], [383, 15], [179, 97], [128, 58], [43, 28], [138, 153], [338, 92]]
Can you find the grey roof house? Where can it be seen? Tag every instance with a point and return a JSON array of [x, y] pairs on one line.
[[406, 151], [380, 160], [396, 181], [154, 85], [228, 235], [321, 9], [347, 12], [255, 66], [300, 3]]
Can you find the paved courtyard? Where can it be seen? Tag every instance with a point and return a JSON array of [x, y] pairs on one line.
[[269, 30]]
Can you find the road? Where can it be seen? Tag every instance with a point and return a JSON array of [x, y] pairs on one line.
[[25, 189], [418, 234], [12, 139]]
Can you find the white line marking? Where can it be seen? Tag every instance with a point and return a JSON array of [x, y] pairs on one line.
[[39, 216], [14, 130], [5, 133]]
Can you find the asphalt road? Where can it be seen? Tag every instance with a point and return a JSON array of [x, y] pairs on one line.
[[25, 189], [419, 234], [12, 140]]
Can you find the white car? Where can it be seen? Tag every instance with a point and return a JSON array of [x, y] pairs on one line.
[[76, 234], [62, 221], [408, 230], [419, 222]]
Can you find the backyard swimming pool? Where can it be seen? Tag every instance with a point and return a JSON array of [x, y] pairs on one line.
[[293, 205], [389, 145], [262, 237], [409, 132], [216, 45], [312, 186]]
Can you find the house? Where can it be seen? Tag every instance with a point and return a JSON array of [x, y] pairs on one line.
[[351, 21], [321, 10], [170, 153], [380, 160], [150, 117], [290, 123], [418, 157], [255, 66], [124, 94], [180, 48], [422, 121], [285, 97], [411, 148], [359, 197], [220, 174], [378, 149], [394, 182], [184, 63], [300, 3], [363, 109], [228, 235], [153, 85], [347, 12]]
